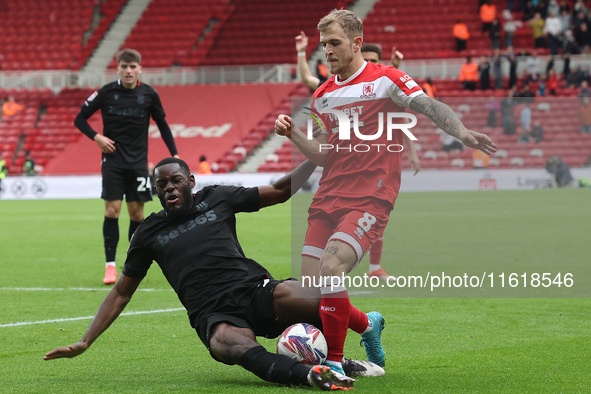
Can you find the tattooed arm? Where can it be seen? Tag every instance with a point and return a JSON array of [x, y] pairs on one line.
[[446, 119]]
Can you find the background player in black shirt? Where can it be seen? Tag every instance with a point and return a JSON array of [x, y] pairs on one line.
[[229, 298], [126, 106]]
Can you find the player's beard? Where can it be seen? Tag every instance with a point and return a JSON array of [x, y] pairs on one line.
[[174, 212]]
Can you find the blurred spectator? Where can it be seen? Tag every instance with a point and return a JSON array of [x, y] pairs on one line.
[[507, 114], [579, 6], [523, 136], [565, 20], [461, 34], [532, 65], [553, 7], [11, 107], [552, 82], [469, 74], [429, 89], [528, 12], [525, 118], [512, 70], [480, 159], [566, 66], [583, 39], [585, 114], [537, 26], [578, 18], [449, 143], [510, 27], [492, 106], [488, 12], [561, 173], [564, 6], [498, 69], [549, 64], [321, 71], [29, 165], [3, 170], [204, 167], [541, 8], [542, 87], [526, 95], [553, 30], [495, 34], [584, 91], [537, 132], [484, 70], [569, 45]]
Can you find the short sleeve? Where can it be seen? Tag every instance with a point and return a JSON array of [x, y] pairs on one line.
[[241, 199], [138, 259], [404, 89], [94, 102]]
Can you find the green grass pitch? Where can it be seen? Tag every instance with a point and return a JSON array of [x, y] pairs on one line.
[[51, 266]]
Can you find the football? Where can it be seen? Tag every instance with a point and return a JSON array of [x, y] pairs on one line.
[[304, 343]]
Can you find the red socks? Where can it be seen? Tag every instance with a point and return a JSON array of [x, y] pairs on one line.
[[335, 310], [358, 320]]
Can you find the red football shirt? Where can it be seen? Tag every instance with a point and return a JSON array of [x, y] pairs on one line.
[[358, 167]]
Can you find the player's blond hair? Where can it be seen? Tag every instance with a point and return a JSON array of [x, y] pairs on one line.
[[128, 55], [352, 25]]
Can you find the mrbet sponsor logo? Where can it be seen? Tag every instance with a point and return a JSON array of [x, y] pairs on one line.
[[348, 124], [184, 131]]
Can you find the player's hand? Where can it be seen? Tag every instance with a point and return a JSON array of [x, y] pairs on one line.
[[397, 57], [415, 163], [107, 145], [301, 41], [283, 126], [68, 352], [476, 140]]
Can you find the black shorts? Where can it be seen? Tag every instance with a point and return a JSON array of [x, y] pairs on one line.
[[136, 185], [254, 310]]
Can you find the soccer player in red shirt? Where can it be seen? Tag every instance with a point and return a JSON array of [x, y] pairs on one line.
[[358, 187]]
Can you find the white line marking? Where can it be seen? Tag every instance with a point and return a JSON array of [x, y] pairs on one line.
[[30, 323], [71, 289]]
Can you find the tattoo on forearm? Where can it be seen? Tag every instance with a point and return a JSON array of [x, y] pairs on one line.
[[331, 250], [443, 116]]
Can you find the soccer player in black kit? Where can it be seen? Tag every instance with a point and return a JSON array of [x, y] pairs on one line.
[[229, 298], [126, 106]]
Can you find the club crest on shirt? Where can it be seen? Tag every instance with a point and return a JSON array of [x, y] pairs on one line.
[[91, 97], [140, 99], [368, 90]]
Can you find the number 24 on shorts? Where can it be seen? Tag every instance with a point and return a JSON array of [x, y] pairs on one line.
[[364, 223], [144, 184]]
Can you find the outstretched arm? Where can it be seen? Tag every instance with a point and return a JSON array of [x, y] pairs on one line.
[[284, 188], [446, 119], [304, 69], [111, 307]]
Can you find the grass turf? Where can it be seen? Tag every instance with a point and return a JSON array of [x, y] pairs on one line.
[[460, 344]]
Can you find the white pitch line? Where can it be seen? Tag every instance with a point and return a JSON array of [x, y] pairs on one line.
[[71, 289], [30, 323]]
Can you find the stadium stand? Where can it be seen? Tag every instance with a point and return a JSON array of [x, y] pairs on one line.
[[52, 34], [201, 32]]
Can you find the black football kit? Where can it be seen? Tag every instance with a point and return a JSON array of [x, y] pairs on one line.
[[126, 119], [201, 258]]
